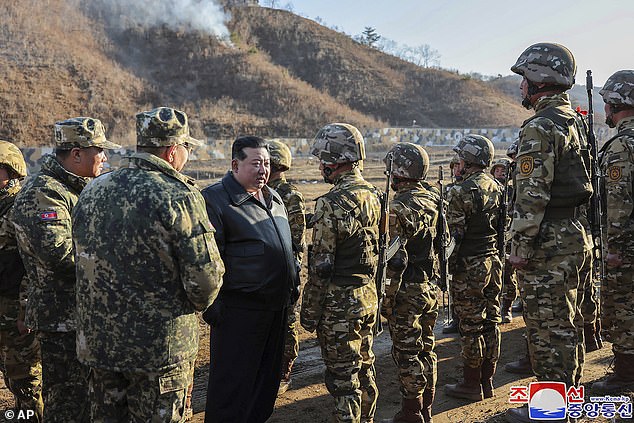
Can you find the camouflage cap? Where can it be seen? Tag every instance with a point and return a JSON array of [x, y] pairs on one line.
[[547, 63], [619, 89], [163, 127], [82, 132], [503, 161], [410, 161], [280, 155], [11, 157], [338, 143], [475, 149]]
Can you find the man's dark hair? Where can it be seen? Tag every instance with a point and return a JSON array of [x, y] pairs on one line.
[[246, 142], [62, 154]]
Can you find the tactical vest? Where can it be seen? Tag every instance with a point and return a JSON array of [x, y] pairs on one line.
[[480, 237], [11, 267], [629, 132], [356, 258], [571, 185]]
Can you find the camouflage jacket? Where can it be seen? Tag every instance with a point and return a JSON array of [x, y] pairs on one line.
[[296, 209], [344, 256], [11, 267], [146, 262], [542, 148], [472, 215], [413, 218], [618, 165], [42, 220]]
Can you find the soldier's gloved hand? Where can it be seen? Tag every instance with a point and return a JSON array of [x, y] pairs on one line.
[[614, 260], [22, 329]]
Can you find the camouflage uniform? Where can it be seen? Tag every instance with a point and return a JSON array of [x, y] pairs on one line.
[[410, 304], [340, 299], [21, 360], [617, 163], [42, 219], [137, 327], [477, 271]]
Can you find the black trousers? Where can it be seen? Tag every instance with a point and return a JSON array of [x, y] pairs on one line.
[[247, 347]]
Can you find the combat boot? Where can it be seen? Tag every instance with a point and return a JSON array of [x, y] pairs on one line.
[[517, 306], [621, 379], [469, 388], [428, 400], [520, 415], [507, 313], [285, 382], [590, 337], [521, 367], [452, 327], [487, 371], [410, 412]]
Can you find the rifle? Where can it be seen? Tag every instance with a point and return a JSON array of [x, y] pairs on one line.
[[383, 246], [502, 217], [595, 212], [444, 245]]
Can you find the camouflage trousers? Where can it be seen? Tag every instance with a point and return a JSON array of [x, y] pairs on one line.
[[140, 397], [291, 343], [509, 286], [411, 321], [346, 348], [552, 312], [475, 289], [21, 360], [590, 287], [617, 296], [64, 379]]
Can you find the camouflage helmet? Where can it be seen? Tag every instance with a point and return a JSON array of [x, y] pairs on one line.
[[504, 162], [280, 155], [475, 149], [12, 158], [547, 63], [619, 89], [410, 161], [81, 132], [512, 150], [338, 143], [163, 127]]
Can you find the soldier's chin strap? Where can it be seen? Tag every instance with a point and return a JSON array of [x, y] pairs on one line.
[[534, 89]]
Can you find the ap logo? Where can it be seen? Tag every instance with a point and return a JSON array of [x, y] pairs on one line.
[[547, 400]]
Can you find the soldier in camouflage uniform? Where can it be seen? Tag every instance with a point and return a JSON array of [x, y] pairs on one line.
[[549, 245], [617, 163], [42, 219], [340, 299], [410, 304], [137, 327], [294, 202], [472, 217], [21, 360], [499, 169]]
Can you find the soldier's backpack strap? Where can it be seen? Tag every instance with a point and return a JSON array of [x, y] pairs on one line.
[[556, 115], [627, 132], [344, 200]]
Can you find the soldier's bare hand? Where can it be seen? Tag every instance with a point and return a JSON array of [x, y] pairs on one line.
[[22, 327], [614, 260], [518, 262]]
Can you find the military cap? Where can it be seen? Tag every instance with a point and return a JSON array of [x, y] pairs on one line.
[[162, 127], [82, 132], [11, 157]]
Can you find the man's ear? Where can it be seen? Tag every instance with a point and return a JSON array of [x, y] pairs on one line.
[[75, 153], [170, 152], [234, 165]]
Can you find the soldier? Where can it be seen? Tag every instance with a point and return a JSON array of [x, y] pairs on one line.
[[477, 271], [548, 242], [617, 162], [499, 170], [294, 202], [137, 327], [42, 219], [340, 299], [20, 350], [410, 304]]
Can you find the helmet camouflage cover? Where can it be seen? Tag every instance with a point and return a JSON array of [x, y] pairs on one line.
[[475, 149], [619, 89], [338, 143], [12, 158], [504, 162], [280, 155], [547, 63], [410, 161]]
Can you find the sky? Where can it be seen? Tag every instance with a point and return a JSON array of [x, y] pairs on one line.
[[487, 36]]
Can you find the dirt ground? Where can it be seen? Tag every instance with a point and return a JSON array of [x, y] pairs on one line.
[[308, 400]]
